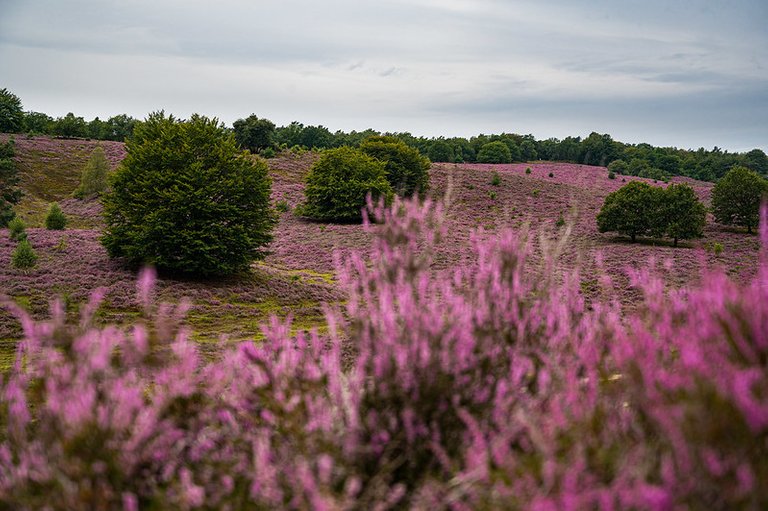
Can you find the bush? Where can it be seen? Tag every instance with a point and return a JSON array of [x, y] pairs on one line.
[[495, 179], [611, 175], [528, 170], [491, 385], [632, 210], [55, 220], [736, 198], [186, 199], [282, 206], [494, 152], [406, 170], [9, 181], [17, 229], [24, 256], [339, 182], [94, 179], [268, 153], [618, 167], [551, 174]]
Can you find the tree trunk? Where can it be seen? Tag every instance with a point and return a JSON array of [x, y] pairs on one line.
[[675, 243], [633, 237]]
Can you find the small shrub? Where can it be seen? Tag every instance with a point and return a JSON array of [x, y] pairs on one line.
[[717, 248], [560, 221], [55, 220], [17, 229], [268, 153], [495, 179], [94, 179], [24, 257], [61, 246], [492, 195], [528, 170], [282, 206], [536, 192], [611, 175], [551, 174]]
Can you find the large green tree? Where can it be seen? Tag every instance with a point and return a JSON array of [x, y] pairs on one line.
[[736, 198], [632, 211], [406, 169], [11, 113], [681, 213], [494, 152], [339, 182], [253, 133], [187, 199], [9, 181]]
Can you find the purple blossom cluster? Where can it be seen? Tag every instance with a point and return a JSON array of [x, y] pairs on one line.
[[490, 384]]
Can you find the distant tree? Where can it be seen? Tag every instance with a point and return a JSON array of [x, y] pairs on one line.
[[756, 160], [681, 213], [253, 133], [55, 220], [494, 152], [187, 200], [736, 198], [406, 170], [528, 151], [120, 127], [98, 129], [618, 167], [632, 211], [94, 178], [9, 183], [338, 183], [515, 154], [316, 137], [37, 122], [289, 136], [11, 114], [441, 151], [70, 126], [598, 150]]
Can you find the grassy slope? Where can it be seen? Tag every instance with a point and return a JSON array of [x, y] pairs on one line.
[[299, 274]]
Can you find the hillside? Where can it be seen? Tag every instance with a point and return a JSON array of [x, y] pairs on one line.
[[298, 276]]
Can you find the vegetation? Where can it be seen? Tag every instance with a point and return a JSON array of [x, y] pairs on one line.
[[736, 198], [455, 393], [254, 134], [55, 220], [94, 179], [339, 182], [187, 200], [494, 152], [24, 256], [11, 113], [17, 229], [406, 170], [495, 179], [10, 194], [639, 209]]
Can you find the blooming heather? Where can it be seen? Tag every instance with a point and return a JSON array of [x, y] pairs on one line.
[[491, 384]]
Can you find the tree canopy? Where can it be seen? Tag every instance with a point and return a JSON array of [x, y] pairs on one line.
[[253, 133], [11, 113], [186, 199], [736, 198], [406, 170]]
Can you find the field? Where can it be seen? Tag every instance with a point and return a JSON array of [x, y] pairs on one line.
[[298, 277]]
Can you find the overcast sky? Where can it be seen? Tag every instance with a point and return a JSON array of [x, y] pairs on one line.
[[685, 73]]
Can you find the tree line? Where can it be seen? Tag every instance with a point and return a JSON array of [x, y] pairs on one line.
[[261, 135]]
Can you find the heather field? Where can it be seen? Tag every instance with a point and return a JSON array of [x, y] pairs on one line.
[[298, 277], [485, 348]]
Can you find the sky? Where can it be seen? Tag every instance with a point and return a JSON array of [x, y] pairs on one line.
[[683, 73]]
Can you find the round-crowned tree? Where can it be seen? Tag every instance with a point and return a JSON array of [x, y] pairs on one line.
[[406, 169], [339, 182], [494, 152], [736, 198], [632, 210], [682, 214], [186, 199]]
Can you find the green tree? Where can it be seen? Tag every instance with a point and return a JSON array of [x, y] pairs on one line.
[[187, 200], [37, 122], [528, 151], [339, 182], [618, 167], [494, 152], [55, 220], [736, 198], [632, 211], [120, 127], [17, 230], [9, 183], [70, 126], [24, 256], [94, 178], [441, 151], [253, 133], [406, 170], [756, 160], [11, 114], [681, 213]]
